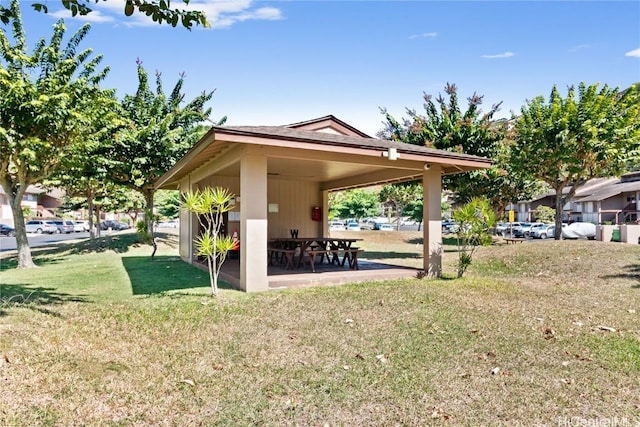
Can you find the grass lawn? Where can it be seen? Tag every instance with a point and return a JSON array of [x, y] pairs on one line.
[[540, 333]]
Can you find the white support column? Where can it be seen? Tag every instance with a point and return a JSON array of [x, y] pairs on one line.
[[432, 221], [253, 223]]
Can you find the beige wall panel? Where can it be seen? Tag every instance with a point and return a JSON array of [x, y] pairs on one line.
[[295, 200]]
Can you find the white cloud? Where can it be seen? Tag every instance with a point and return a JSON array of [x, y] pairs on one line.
[[95, 16], [220, 14], [499, 55], [424, 35], [635, 53]]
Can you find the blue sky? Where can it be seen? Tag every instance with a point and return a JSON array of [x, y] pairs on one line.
[[280, 62]]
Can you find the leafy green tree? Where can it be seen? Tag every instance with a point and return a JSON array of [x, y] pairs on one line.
[[564, 142], [167, 203], [83, 172], [48, 101], [544, 214], [209, 205], [444, 126], [401, 195], [356, 204], [414, 211], [159, 11], [474, 220], [162, 130]]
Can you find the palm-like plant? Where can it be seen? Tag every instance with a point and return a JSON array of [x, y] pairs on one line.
[[209, 205], [474, 220]]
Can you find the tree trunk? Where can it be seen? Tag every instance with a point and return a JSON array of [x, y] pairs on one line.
[[558, 215], [92, 232], [148, 198], [22, 243], [97, 209]]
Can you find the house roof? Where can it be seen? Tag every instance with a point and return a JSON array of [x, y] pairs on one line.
[[325, 123], [325, 149], [31, 189], [585, 189], [611, 190]]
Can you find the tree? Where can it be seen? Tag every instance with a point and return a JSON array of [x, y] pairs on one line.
[[83, 172], [355, 204], [167, 203], [161, 132], [444, 126], [209, 205], [47, 100], [544, 214], [159, 11], [474, 220], [565, 142], [401, 195]]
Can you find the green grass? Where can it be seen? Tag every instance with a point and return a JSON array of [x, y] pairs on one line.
[[113, 338]]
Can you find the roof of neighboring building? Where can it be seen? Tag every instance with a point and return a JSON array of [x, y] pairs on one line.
[[32, 189], [611, 190]]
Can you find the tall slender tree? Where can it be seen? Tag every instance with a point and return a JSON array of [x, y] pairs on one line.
[[47, 99], [565, 141], [445, 126], [162, 130]]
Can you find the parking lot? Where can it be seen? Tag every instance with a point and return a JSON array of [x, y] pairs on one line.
[[37, 240]]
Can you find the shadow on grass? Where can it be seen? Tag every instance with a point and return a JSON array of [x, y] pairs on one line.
[[164, 274], [373, 255], [119, 243], [35, 298], [446, 240], [631, 271]]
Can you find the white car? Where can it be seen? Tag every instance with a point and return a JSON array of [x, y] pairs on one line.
[[386, 227], [41, 226], [171, 223], [80, 226], [353, 226]]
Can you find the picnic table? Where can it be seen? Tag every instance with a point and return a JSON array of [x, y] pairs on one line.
[[294, 252]]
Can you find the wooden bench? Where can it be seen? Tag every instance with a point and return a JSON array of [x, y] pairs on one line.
[[282, 255], [513, 240], [351, 255], [310, 254]]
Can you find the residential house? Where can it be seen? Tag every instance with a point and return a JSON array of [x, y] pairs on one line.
[[599, 200]]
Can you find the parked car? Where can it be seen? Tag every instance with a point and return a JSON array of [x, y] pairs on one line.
[[386, 227], [64, 225], [543, 231], [6, 230], [523, 230], [113, 225], [449, 226], [169, 223], [336, 225], [80, 226], [501, 227], [40, 226], [353, 226], [579, 230]]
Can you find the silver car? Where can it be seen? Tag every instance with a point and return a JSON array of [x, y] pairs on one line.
[[40, 226]]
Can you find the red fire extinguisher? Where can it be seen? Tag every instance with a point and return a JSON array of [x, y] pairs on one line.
[[316, 213]]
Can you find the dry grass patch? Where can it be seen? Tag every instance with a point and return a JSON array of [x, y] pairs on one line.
[[407, 352]]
